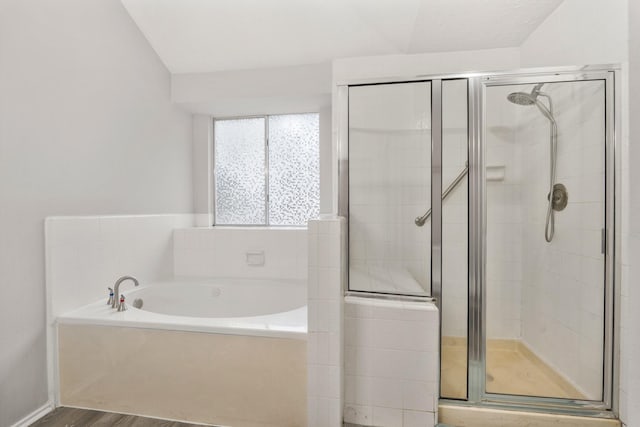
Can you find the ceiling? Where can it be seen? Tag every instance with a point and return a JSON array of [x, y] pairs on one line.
[[193, 36]]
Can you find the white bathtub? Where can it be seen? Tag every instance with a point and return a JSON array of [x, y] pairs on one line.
[[228, 306], [247, 369]]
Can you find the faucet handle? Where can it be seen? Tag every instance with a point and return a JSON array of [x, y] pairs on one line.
[[122, 306], [110, 302]]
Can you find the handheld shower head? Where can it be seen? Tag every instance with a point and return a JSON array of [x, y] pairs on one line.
[[523, 98]]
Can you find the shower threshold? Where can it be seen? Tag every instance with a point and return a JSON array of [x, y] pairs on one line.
[[467, 416]]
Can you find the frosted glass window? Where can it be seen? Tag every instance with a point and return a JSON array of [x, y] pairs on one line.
[[240, 171], [247, 191], [294, 169]]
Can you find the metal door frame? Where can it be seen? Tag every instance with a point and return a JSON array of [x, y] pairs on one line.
[[477, 86]]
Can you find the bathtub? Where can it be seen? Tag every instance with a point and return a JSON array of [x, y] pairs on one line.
[[216, 351]]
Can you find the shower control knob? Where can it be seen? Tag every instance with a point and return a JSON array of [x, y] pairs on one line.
[[559, 197]]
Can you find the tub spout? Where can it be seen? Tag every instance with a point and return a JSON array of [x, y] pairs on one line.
[[116, 290]]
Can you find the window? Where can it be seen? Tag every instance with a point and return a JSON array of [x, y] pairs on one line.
[[267, 170]]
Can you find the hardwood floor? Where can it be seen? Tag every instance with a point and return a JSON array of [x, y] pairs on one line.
[[71, 417]]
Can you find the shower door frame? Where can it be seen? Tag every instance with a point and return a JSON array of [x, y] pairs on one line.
[[477, 84], [477, 394]]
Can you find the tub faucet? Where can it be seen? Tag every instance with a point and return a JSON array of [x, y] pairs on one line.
[[116, 290]]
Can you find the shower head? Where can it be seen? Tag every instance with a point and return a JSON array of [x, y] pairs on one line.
[[523, 98]]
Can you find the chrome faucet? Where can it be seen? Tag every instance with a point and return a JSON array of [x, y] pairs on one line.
[[116, 291]]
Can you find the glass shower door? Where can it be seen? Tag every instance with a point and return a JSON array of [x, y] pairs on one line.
[[389, 186], [519, 254], [545, 146]]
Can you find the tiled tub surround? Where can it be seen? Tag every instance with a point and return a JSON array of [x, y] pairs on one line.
[[86, 254], [391, 363], [241, 369], [242, 381], [207, 305], [327, 270], [242, 252]]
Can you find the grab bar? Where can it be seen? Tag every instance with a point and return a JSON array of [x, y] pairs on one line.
[[422, 219]]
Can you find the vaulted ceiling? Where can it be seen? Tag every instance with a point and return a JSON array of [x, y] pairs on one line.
[[212, 35]]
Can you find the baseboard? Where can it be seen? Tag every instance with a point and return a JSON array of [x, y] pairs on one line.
[[35, 415]]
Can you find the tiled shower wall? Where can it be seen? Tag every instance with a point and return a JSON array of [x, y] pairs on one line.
[[504, 217], [389, 186], [454, 209], [563, 286], [504, 220]]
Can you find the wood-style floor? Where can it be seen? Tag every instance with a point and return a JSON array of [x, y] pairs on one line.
[[71, 417]]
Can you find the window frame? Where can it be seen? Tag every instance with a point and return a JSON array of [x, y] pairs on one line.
[[267, 198]]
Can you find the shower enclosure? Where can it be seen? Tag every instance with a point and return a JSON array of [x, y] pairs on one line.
[[494, 194]]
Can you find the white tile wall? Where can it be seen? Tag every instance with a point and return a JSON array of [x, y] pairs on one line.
[[563, 281], [85, 255], [222, 252], [550, 295], [326, 272], [389, 186], [454, 210], [391, 363], [504, 218]]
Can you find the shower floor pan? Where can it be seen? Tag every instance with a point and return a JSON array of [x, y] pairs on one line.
[[511, 369]]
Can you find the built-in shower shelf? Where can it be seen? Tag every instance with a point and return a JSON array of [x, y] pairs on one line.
[[496, 173]]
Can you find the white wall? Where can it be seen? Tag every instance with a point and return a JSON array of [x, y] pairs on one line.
[[298, 89], [630, 345], [403, 66], [579, 32], [86, 126]]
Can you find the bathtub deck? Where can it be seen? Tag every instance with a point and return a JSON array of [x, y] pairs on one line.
[[66, 417]]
